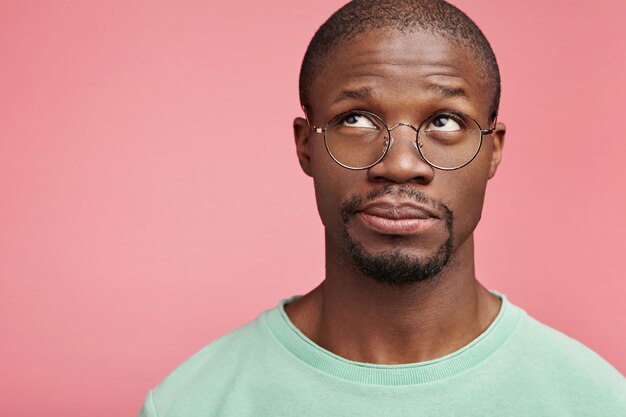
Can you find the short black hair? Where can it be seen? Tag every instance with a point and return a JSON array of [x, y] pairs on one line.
[[437, 17]]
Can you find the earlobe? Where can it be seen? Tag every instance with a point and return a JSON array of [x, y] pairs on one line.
[[301, 133], [496, 151]]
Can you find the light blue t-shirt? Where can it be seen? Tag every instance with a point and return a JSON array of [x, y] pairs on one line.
[[517, 367]]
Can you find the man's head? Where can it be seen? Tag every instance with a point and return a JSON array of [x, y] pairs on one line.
[[436, 17], [400, 220]]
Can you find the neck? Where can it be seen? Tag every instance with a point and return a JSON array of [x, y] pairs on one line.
[[363, 320]]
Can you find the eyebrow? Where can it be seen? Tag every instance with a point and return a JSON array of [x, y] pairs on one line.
[[447, 91], [359, 93]]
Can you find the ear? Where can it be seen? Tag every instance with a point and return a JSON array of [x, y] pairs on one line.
[[496, 151], [302, 133]]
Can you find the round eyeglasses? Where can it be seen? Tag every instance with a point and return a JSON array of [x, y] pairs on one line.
[[446, 140]]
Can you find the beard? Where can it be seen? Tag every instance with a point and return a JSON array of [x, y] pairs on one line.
[[395, 266]]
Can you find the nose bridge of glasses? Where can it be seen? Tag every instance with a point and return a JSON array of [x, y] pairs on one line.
[[415, 129], [413, 136]]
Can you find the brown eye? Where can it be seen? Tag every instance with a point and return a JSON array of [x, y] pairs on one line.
[[445, 123], [358, 120]]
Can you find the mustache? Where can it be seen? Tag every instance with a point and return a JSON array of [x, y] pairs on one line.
[[355, 203]]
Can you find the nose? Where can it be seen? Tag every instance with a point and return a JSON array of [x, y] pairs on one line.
[[403, 162]]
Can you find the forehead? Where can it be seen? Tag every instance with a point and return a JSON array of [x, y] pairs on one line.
[[401, 69]]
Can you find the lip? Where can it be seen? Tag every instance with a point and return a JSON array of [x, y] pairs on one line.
[[397, 218]]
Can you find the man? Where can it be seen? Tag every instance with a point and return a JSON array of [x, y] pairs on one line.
[[400, 100]]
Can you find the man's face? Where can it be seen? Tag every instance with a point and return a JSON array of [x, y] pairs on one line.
[[400, 220]]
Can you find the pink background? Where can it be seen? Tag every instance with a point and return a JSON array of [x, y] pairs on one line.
[[151, 199]]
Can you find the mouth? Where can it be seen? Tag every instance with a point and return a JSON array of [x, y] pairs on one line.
[[401, 218]]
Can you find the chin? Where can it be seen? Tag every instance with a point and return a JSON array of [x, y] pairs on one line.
[[400, 266]]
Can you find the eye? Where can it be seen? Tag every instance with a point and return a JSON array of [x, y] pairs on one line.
[[445, 122], [358, 120]]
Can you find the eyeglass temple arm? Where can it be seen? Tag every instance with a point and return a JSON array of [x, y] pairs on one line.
[[312, 127], [490, 131]]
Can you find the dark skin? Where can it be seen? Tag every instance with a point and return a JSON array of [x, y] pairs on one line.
[[401, 78]]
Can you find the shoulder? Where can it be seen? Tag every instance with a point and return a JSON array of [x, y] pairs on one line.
[[214, 368], [564, 366], [245, 341], [546, 342]]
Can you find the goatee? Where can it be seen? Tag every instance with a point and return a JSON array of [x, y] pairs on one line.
[[396, 267]]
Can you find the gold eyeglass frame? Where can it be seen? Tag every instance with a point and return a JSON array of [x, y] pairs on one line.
[[389, 139]]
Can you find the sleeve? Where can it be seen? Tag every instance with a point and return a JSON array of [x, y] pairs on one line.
[[148, 409]]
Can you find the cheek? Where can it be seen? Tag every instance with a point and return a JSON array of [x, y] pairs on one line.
[[469, 195], [325, 201], [330, 185], [331, 191], [466, 204]]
